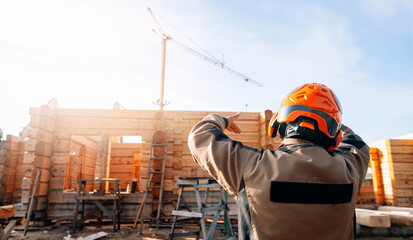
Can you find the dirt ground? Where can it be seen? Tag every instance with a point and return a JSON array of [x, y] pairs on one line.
[[127, 232]]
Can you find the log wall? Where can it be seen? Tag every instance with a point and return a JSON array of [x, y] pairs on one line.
[[124, 157], [71, 143], [105, 123]]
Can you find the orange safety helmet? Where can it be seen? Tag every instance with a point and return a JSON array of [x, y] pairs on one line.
[[315, 101]]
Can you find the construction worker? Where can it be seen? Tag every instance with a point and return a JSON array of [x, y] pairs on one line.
[[305, 189]]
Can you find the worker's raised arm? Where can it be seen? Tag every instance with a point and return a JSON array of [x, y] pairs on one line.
[[223, 158], [356, 150]]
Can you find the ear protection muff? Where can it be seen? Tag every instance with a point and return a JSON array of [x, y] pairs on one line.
[[337, 138], [273, 126]]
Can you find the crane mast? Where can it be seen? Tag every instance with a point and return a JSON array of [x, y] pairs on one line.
[[161, 102]]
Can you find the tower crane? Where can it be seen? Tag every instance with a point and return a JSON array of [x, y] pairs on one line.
[[161, 102]]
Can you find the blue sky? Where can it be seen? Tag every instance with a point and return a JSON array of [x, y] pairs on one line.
[[90, 54]]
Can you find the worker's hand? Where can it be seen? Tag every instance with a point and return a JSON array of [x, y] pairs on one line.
[[232, 126]]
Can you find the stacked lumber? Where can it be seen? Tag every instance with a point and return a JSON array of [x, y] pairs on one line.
[[376, 174], [366, 195], [9, 154], [38, 155], [122, 162], [396, 163]]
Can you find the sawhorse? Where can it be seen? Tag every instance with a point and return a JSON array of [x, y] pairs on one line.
[[83, 195]]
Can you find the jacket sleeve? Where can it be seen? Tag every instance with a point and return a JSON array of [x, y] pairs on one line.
[[356, 151], [223, 158]]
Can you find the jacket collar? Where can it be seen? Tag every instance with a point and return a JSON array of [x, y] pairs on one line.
[[293, 141]]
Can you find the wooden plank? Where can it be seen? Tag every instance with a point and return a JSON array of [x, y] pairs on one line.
[[43, 189], [6, 211], [404, 201], [128, 152], [60, 196], [40, 135], [9, 228], [121, 160], [252, 116], [84, 140], [372, 219], [58, 170], [56, 183], [127, 145], [401, 142], [45, 176], [42, 122], [120, 168], [402, 149], [105, 123], [104, 113], [397, 217], [61, 146], [60, 158], [44, 149], [405, 210]]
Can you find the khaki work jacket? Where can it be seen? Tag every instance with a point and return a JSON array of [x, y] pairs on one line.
[[299, 191]]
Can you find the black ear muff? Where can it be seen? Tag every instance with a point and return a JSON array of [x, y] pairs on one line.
[[273, 126], [337, 141]]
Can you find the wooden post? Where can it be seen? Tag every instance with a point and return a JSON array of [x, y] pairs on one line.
[[32, 200], [161, 102], [103, 174]]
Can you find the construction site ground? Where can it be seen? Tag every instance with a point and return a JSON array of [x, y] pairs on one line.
[[127, 232]]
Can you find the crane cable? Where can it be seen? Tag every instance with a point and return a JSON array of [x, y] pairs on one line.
[[188, 38]]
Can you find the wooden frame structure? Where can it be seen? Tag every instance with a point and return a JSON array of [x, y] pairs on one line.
[[71, 144]]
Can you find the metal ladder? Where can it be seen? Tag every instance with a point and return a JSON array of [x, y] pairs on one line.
[[199, 213], [150, 174]]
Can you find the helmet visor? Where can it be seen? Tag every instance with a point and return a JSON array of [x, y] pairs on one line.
[[332, 125]]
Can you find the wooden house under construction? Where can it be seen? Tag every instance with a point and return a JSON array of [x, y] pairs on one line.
[[72, 144]]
